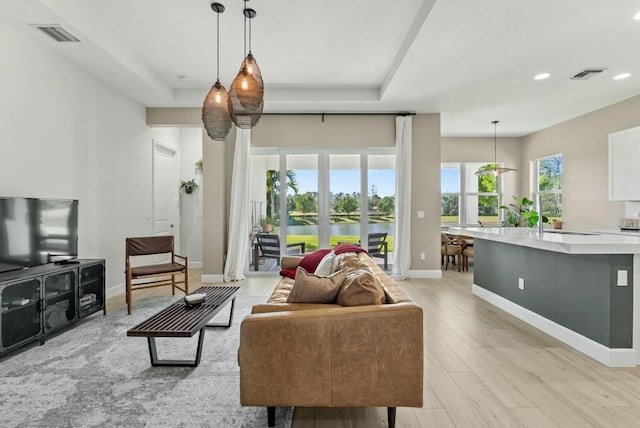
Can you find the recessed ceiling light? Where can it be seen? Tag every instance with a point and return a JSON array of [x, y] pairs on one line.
[[637, 16], [621, 76], [542, 76]]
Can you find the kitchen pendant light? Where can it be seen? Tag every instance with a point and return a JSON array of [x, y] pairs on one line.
[[215, 109], [493, 169], [246, 94]]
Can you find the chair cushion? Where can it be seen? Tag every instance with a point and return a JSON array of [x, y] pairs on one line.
[[156, 269], [360, 288], [309, 288]]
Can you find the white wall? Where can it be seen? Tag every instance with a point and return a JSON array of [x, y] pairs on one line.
[[65, 134], [583, 142], [191, 205]]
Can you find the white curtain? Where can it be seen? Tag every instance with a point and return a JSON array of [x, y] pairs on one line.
[[402, 239], [238, 245]]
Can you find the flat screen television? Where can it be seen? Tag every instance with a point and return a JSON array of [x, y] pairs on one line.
[[37, 231]]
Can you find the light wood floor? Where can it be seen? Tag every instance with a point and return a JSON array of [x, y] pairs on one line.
[[485, 368]]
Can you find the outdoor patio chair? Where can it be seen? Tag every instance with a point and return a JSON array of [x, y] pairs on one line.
[[268, 247], [377, 246]]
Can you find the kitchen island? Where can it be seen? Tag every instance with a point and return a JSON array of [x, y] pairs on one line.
[[578, 287]]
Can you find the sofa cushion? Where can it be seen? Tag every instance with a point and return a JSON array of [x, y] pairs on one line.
[[309, 288], [360, 287]]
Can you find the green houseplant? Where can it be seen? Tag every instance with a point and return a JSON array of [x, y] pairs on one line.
[[189, 186], [520, 213]]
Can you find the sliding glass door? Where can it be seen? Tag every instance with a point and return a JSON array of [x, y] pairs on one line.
[[318, 199]]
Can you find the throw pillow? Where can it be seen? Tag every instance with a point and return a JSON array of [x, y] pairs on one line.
[[309, 288], [353, 262], [348, 248], [324, 267], [337, 261], [311, 261], [360, 288]]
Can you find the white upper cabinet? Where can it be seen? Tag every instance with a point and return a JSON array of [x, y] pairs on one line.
[[624, 165]]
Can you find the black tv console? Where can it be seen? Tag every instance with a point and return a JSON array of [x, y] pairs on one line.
[[38, 301]]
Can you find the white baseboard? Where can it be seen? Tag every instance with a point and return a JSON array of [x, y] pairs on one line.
[[425, 273], [115, 290], [612, 357], [195, 265], [215, 277]]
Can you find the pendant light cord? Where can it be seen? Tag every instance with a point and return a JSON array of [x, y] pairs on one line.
[[245, 30], [495, 143], [218, 48], [249, 36]]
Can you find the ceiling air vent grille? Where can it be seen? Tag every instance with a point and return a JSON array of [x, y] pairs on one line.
[[587, 73], [57, 33]]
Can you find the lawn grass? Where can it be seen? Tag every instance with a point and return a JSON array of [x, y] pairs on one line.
[[311, 241]]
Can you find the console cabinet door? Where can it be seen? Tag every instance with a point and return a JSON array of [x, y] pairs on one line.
[[20, 302], [60, 300], [91, 289]]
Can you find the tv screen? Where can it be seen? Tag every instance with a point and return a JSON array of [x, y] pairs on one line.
[[37, 231]]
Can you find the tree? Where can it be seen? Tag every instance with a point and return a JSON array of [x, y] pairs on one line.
[[273, 189], [306, 202], [347, 203], [374, 198], [387, 205]]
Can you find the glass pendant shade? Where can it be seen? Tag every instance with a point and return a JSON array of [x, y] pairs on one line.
[[246, 91], [215, 113], [494, 168], [253, 69], [243, 117]]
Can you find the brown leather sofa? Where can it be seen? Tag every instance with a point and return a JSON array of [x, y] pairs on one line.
[[327, 355]]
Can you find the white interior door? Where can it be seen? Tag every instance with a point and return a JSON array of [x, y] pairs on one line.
[[166, 194]]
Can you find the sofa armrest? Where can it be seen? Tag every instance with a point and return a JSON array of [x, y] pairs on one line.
[[361, 356], [290, 262]]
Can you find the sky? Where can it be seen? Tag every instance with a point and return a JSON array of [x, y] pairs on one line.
[[347, 181], [450, 180]]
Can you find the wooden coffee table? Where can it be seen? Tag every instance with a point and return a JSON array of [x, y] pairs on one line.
[[180, 320]]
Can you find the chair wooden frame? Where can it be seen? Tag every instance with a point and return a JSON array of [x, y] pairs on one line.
[[448, 247], [155, 275]]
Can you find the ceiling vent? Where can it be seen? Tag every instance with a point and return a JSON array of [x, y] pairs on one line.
[[57, 33], [587, 73]]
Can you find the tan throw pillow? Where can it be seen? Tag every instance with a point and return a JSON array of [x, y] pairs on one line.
[[360, 288], [353, 262], [309, 288]]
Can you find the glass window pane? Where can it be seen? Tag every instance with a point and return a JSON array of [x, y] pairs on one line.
[[483, 184], [302, 200], [264, 191], [550, 173], [450, 179], [481, 209], [344, 185], [381, 179], [552, 205], [449, 209]]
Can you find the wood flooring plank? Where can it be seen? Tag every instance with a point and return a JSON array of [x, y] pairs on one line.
[[533, 418]]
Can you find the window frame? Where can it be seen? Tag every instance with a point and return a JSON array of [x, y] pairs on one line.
[[463, 194], [536, 193]]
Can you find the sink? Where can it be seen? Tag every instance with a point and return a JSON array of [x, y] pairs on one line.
[[568, 232]]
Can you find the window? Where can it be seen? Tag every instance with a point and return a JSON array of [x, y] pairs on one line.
[[548, 185], [465, 197]]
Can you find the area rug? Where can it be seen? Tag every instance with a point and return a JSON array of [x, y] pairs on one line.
[[93, 375]]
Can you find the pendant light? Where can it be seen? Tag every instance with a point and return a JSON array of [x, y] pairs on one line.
[[493, 169], [215, 110], [246, 94]]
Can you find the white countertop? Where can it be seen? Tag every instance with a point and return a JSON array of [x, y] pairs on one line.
[[600, 243]]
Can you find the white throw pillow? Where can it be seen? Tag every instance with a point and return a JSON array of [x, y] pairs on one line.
[[324, 267]]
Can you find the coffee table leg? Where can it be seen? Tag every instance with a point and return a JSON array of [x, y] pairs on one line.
[[227, 325], [155, 362]]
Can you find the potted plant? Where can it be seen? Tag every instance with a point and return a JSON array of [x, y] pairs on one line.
[[521, 213], [189, 186], [267, 224]]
